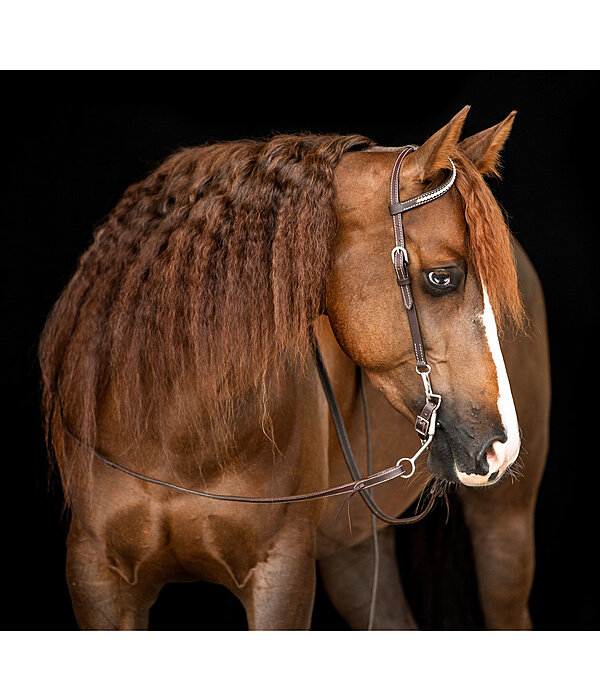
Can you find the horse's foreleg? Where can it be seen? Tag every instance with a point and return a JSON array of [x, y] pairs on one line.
[[503, 549], [279, 594], [102, 599], [348, 580]]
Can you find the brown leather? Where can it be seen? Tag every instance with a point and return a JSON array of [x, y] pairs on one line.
[[351, 488], [424, 418], [400, 262]]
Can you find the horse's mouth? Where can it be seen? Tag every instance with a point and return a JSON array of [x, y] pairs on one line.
[[441, 460]]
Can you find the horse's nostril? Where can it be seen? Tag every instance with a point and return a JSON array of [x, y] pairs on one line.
[[496, 455], [493, 477]]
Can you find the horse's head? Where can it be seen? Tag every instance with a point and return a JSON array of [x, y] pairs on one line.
[[463, 277]]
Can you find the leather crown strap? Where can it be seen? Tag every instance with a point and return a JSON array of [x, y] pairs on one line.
[[425, 422]]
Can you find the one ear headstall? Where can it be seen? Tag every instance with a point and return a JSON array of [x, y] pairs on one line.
[[425, 423]]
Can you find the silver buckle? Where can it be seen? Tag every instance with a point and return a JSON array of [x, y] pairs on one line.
[[399, 249]]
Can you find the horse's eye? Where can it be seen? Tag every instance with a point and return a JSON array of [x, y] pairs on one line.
[[443, 280], [440, 278]]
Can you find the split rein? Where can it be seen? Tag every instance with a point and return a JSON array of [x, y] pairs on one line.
[[359, 485]]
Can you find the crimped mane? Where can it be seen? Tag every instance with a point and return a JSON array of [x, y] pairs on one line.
[[206, 274], [490, 243]]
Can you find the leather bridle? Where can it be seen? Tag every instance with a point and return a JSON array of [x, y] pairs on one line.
[[425, 423]]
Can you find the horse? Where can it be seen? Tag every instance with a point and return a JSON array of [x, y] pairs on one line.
[[181, 350]]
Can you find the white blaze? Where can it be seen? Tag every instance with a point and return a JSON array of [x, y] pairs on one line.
[[506, 405]]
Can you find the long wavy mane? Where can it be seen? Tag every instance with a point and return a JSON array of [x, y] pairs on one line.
[[209, 271]]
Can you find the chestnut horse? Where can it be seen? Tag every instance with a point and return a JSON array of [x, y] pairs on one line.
[[181, 350]]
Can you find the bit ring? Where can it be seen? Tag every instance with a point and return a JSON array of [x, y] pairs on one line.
[[412, 464]]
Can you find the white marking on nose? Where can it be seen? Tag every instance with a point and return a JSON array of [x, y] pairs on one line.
[[474, 479], [500, 455]]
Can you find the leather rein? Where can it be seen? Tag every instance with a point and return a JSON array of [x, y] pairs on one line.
[[425, 423]]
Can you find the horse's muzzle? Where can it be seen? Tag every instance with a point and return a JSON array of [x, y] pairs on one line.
[[460, 458]]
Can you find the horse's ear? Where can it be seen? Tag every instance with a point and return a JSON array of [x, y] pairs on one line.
[[483, 149], [433, 154]]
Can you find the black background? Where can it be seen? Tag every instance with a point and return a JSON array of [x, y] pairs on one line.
[[73, 143]]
